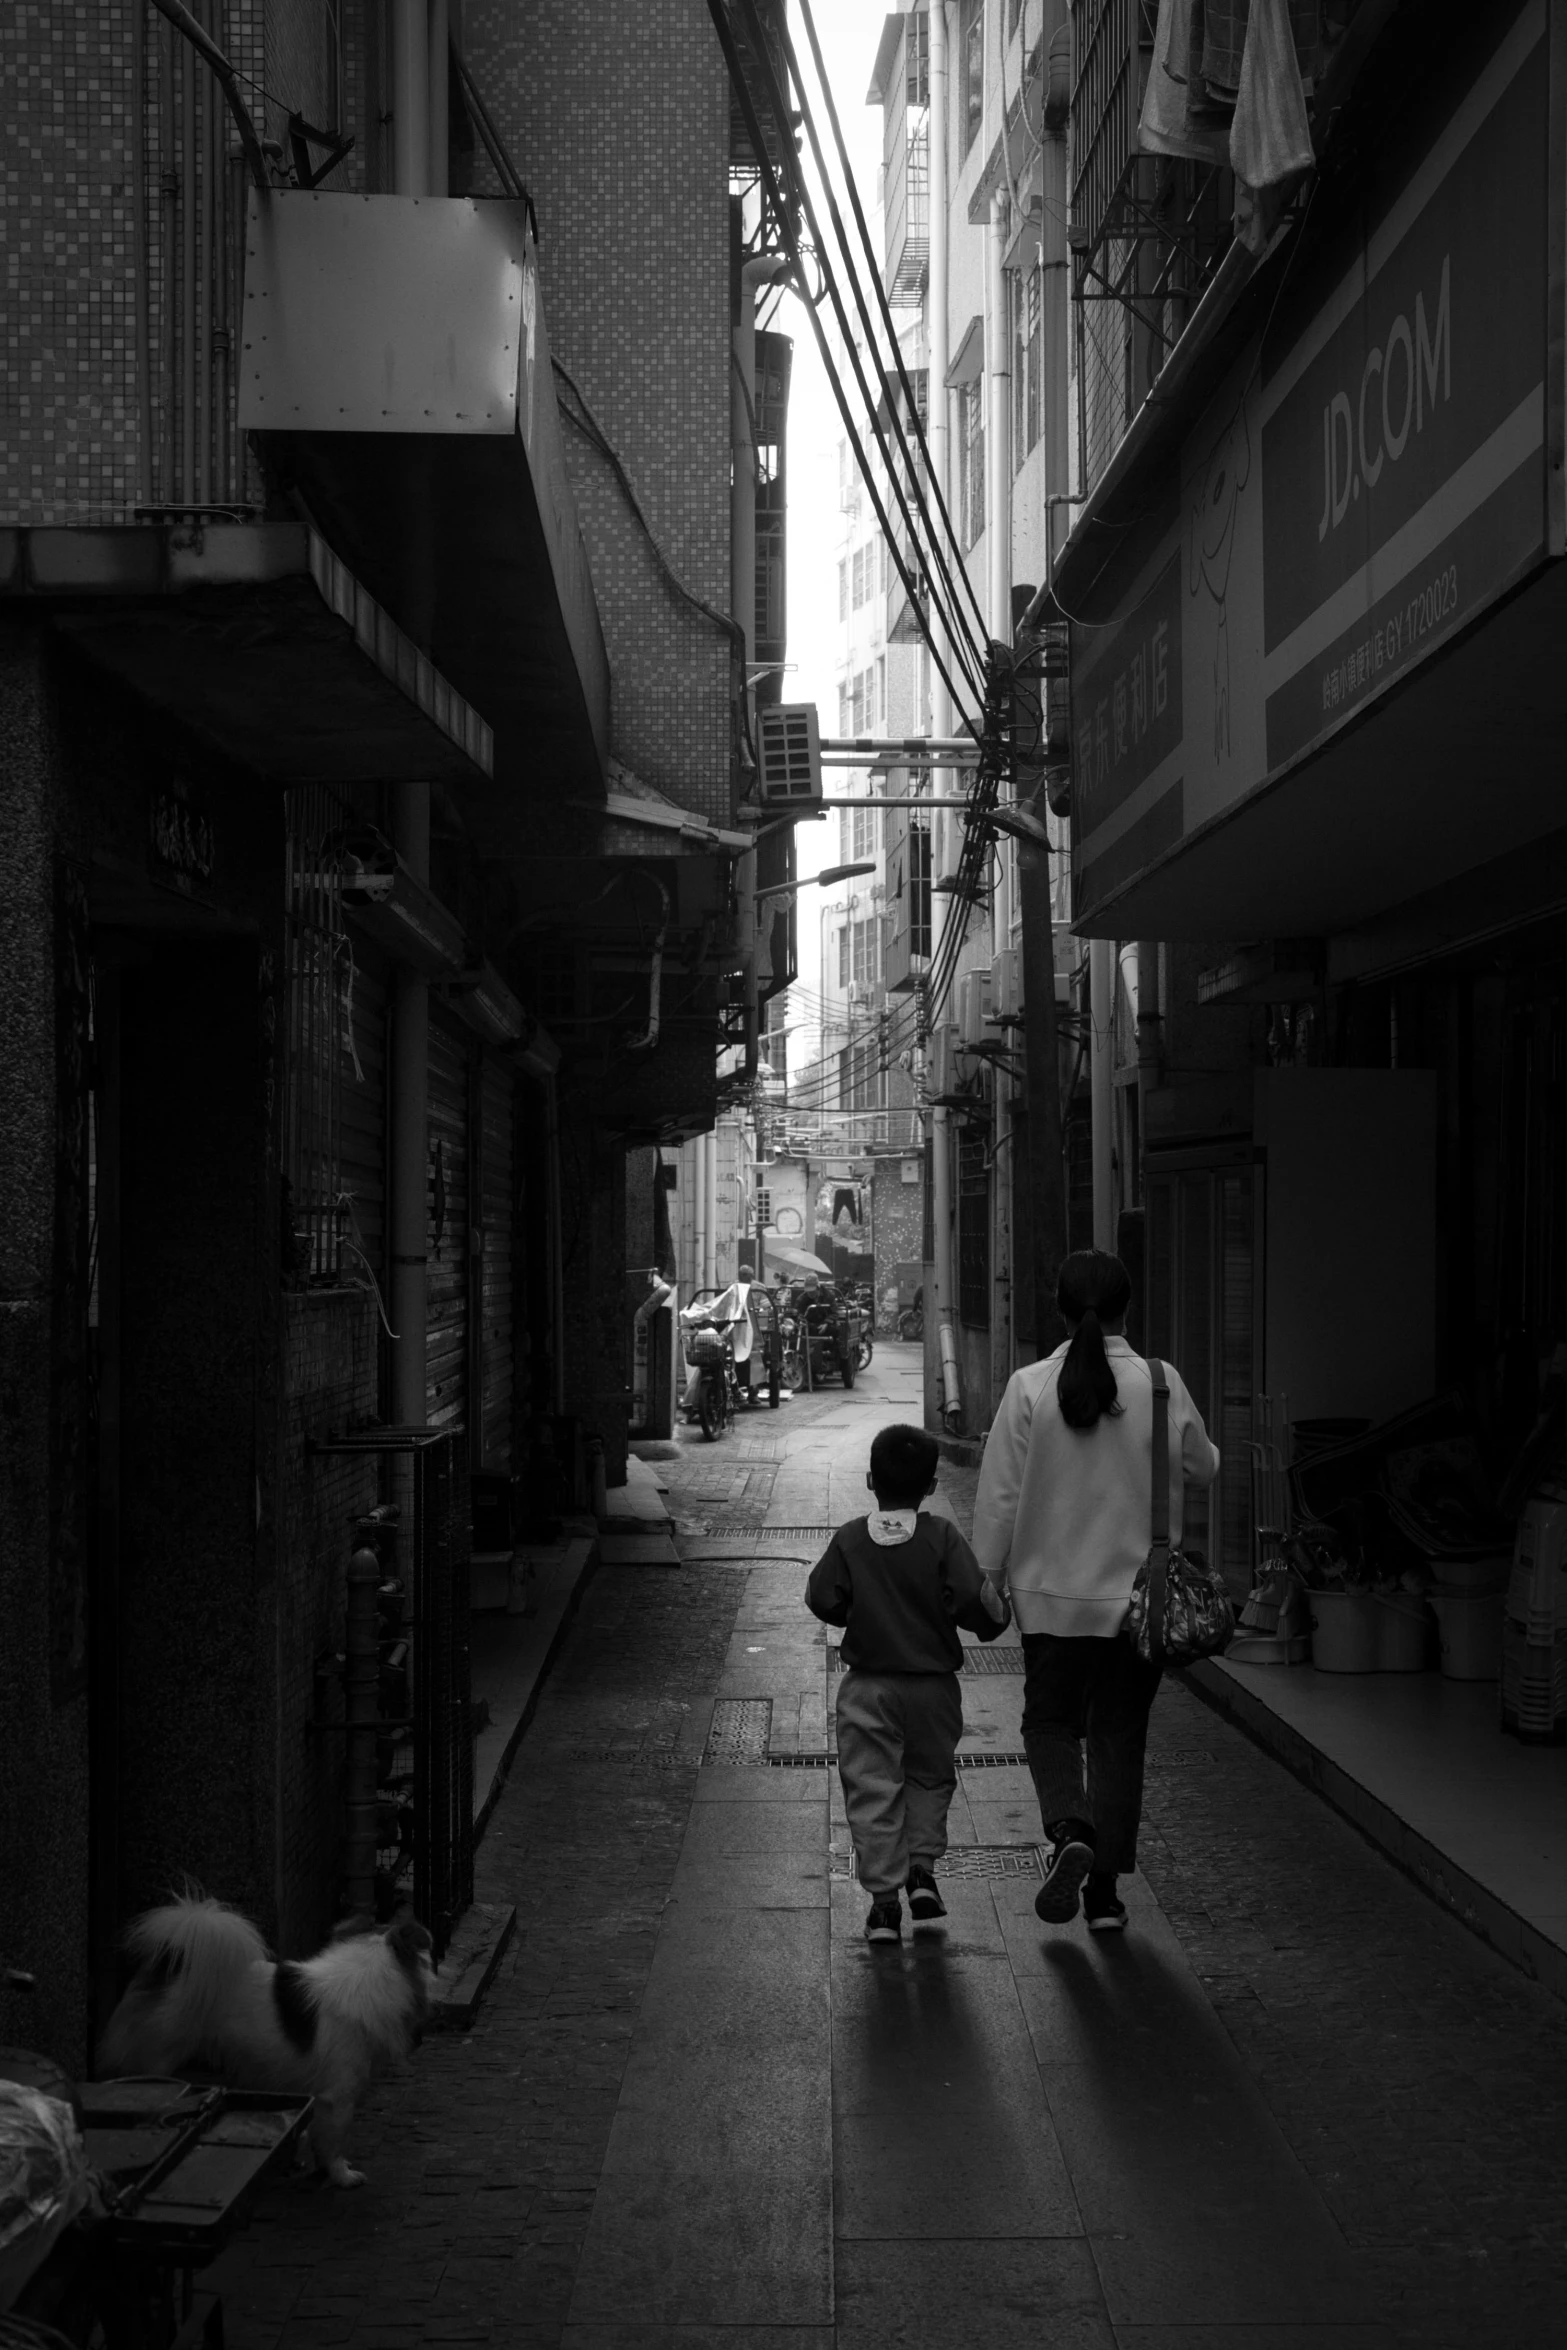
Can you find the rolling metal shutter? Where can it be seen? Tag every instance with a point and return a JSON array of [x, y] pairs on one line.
[[446, 1272], [493, 1195]]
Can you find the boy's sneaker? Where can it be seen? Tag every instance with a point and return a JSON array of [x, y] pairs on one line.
[[1071, 1858], [924, 1899], [1103, 1910], [885, 1923]]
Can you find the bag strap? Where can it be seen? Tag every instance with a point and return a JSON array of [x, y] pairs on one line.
[[1161, 1451], [1159, 1555]]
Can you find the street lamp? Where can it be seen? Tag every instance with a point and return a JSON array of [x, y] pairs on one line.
[[1019, 823], [828, 875]]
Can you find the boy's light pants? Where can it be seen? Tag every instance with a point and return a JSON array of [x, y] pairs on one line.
[[897, 1736]]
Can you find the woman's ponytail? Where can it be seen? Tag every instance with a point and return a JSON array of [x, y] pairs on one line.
[[1093, 1288]]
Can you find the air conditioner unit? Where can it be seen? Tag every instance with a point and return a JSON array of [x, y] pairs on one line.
[[789, 756], [973, 1005], [939, 1079], [1006, 989]]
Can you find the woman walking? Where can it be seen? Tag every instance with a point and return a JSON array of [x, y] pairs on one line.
[[1063, 1521]]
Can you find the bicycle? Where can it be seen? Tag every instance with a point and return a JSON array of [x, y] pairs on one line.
[[710, 1351]]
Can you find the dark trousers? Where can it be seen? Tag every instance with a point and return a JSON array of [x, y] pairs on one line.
[[1098, 1693]]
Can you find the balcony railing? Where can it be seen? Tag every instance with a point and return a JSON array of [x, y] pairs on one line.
[[907, 202]]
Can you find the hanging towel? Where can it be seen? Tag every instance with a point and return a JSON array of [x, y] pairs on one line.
[[1223, 49], [1167, 125], [1270, 138]]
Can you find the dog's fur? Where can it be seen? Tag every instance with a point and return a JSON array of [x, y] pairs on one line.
[[206, 1991]]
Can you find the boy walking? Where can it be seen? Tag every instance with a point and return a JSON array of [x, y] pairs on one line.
[[902, 1584]]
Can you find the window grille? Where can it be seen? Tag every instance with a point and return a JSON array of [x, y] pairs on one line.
[[919, 888], [843, 590], [317, 1038], [1026, 361], [971, 73], [974, 1225], [971, 461]]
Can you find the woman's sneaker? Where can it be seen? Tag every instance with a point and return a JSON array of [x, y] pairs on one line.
[[1071, 1858], [1103, 1910], [885, 1923], [924, 1899]]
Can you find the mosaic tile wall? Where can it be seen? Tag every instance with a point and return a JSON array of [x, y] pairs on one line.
[[617, 117]]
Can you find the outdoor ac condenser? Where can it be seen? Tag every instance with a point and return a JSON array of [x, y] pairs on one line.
[[789, 756], [938, 1063], [973, 993], [1006, 989]]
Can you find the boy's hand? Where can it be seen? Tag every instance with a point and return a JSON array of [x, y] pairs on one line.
[[993, 1601]]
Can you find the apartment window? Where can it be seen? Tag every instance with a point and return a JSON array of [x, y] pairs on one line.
[[844, 947], [971, 73], [865, 950], [864, 825], [864, 557], [764, 1206], [919, 888], [1026, 358], [843, 590], [881, 690], [857, 703], [843, 709], [971, 461]]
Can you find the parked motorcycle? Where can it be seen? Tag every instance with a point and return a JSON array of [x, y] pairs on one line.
[[911, 1322]]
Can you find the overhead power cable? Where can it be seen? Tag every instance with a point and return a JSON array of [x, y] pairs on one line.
[[967, 646], [784, 215], [938, 391]]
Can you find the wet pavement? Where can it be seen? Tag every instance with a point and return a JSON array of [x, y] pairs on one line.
[[1295, 2106]]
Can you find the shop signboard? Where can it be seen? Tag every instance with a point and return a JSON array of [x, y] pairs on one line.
[[1361, 488]]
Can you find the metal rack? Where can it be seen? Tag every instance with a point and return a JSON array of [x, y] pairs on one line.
[[426, 1738]]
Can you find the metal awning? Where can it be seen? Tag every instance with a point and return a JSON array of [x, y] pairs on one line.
[[261, 643], [396, 359]]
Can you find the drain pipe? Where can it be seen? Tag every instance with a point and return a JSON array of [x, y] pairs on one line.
[[755, 273], [646, 1042], [943, 1300], [1101, 1081], [410, 97], [410, 1144]]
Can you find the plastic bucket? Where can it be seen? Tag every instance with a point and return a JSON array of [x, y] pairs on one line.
[[1403, 1635], [1343, 1631], [1477, 1574], [1469, 1625]]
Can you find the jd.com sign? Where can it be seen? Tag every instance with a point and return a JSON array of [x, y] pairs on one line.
[[1365, 483]]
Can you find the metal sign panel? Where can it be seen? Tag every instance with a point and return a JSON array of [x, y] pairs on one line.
[[386, 314]]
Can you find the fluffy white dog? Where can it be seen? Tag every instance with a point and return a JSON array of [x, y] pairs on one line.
[[207, 1992]]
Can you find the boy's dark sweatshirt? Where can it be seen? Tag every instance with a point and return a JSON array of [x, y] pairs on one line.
[[901, 1605]]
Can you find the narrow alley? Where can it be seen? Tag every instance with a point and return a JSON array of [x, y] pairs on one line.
[[1296, 2105]]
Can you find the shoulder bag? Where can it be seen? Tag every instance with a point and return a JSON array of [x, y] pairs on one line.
[[1180, 1609]]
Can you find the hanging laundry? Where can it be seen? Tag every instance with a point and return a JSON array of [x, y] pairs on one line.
[[1170, 124], [1270, 137], [1219, 56]]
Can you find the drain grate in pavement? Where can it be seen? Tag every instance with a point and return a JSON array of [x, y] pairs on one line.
[[975, 1660], [740, 1731], [967, 1860], [758, 1537]]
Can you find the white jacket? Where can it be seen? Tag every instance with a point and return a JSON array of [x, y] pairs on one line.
[[1063, 1517]]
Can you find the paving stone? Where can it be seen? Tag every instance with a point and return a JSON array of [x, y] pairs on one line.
[[1419, 2083]]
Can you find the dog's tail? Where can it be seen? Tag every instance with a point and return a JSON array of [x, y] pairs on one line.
[[192, 1958]]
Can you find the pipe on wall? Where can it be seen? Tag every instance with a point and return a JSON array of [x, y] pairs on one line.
[[410, 97], [1101, 1079], [941, 1306], [436, 73]]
